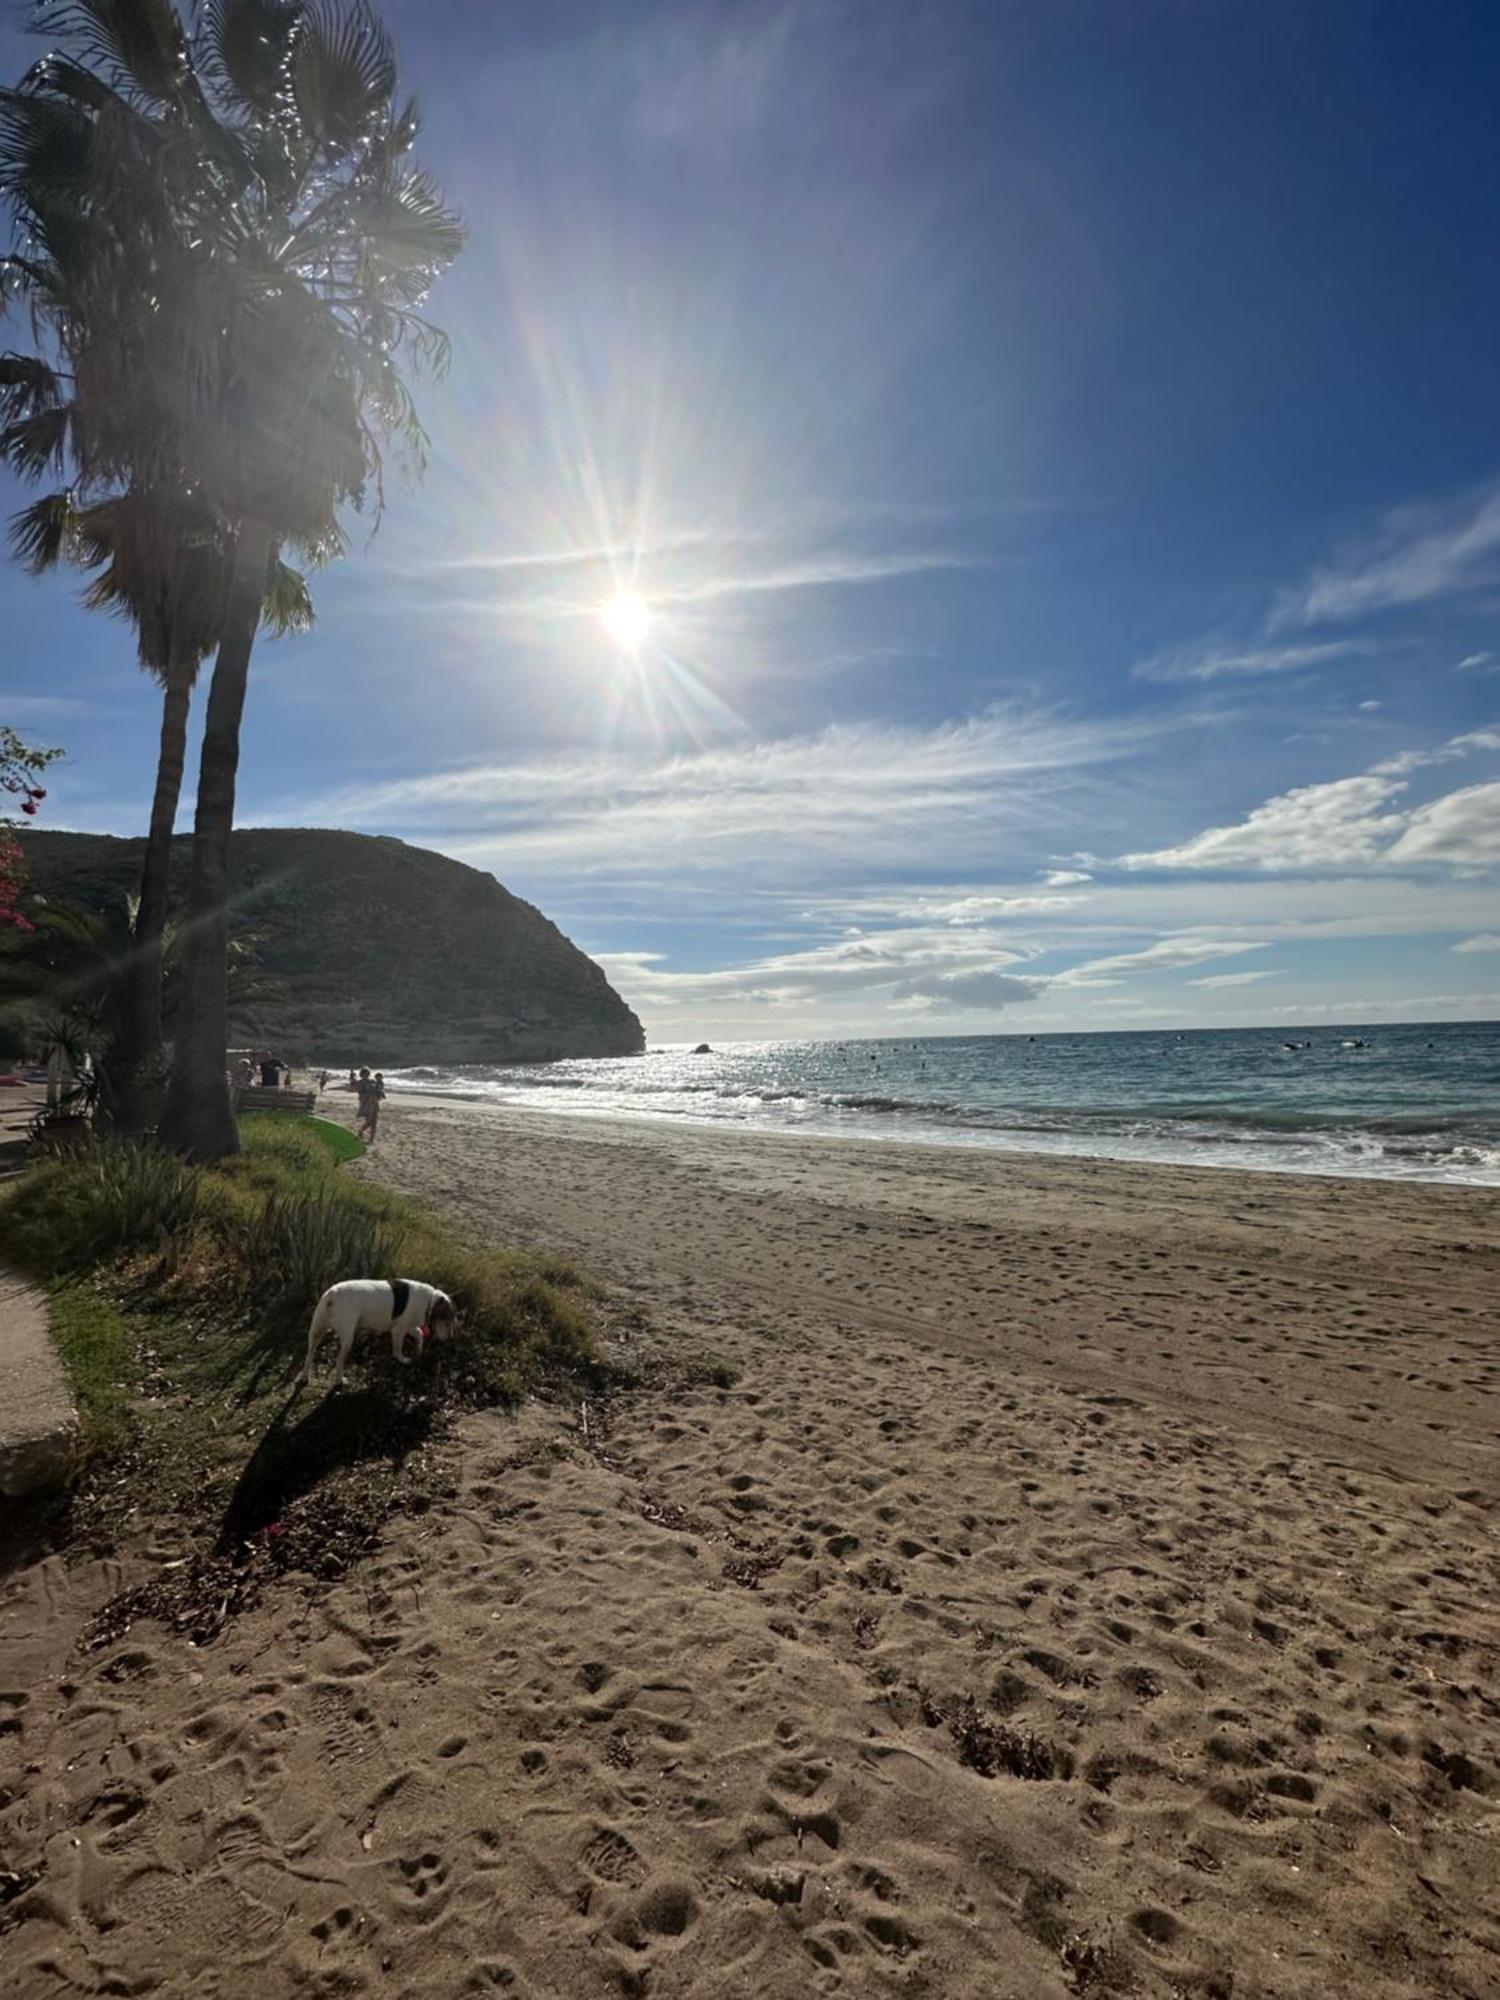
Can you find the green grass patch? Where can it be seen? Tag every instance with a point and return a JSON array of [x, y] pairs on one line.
[[339, 1140], [181, 1297], [97, 1347], [276, 1135]]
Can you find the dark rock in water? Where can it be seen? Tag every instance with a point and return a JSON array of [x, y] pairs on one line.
[[703, 1050], [388, 954]]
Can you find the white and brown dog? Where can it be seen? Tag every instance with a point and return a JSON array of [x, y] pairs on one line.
[[400, 1307]]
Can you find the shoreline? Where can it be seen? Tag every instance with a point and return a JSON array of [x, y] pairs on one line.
[[940, 1147]]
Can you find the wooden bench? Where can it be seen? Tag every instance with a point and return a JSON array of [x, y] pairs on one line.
[[266, 1097]]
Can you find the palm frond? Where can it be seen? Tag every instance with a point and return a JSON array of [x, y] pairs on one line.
[[27, 384], [42, 535], [246, 49], [138, 44], [288, 606], [37, 443], [44, 143], [343, 74]]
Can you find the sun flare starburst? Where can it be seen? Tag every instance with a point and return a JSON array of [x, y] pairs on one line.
[[627, 619]]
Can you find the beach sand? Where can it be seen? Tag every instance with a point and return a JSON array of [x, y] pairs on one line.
[[1088, 1585]]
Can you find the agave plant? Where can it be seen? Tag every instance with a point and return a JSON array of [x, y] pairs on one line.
[[229, 246]]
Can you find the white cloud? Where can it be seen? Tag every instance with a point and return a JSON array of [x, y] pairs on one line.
[[1344, 823], [1369, 707], [1486, 941], [1478, 663], [1065, 878], [1335, 825], [1232, 978], [1418, 554], [1462, 829], [920, 967], [1219, 662], [974, 992]]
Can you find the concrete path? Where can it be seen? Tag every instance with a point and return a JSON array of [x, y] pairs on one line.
[[38, 1423], [37, 1420]]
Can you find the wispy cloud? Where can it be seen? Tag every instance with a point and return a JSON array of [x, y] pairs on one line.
[[1166, 955], [909, 969], [835, 570], [1486, 941], [1406, 761], [1222, 662], [835, 803], [1233, 978], [1478, 663], [39, 707], [1418, 554]]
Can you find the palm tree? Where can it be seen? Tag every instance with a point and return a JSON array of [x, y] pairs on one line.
[[258, 249], [160, 565], [69, 975]]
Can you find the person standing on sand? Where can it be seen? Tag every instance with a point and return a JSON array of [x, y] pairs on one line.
[[369, 1105]]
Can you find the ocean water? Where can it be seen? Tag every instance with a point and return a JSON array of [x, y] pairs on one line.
[[1401, 1103]]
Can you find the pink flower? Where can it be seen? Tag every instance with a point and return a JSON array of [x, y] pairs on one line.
[[37, 792], [28, 805]]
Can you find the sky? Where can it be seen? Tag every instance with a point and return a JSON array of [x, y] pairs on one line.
[[1044, 460]]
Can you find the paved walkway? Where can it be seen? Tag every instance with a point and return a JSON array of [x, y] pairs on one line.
[[37, 1419]]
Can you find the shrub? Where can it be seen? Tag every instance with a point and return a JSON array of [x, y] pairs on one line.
[[112, 1197], [305, 1240]]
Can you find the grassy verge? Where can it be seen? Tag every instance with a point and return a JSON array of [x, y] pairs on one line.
[[180, 1300]]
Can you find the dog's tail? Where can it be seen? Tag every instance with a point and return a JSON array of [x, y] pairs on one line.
[[317, 1327]]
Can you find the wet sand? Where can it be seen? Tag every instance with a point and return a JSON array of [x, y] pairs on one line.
[[1087, 1586]]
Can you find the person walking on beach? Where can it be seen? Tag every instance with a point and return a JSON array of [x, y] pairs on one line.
[[371, 1090]]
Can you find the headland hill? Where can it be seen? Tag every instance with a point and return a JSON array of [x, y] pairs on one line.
[[385, 953]]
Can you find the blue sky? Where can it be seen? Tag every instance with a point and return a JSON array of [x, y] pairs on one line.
[[1055, 444]]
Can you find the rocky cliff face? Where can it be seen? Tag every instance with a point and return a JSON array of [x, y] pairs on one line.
[[391, 955]]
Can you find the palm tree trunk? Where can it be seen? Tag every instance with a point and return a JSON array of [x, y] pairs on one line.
[[139, 1054], [198, 1117]]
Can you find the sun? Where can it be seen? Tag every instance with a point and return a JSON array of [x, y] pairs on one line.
[[626, 619]]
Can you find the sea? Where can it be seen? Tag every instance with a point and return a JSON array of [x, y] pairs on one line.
[[1418, 1103]]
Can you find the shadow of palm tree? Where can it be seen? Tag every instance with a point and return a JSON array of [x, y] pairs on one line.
[[347, 1427]]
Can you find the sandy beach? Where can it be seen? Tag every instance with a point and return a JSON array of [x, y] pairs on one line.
[[1087, 1584]]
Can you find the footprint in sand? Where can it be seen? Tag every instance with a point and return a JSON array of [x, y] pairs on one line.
[[612, 1857]]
